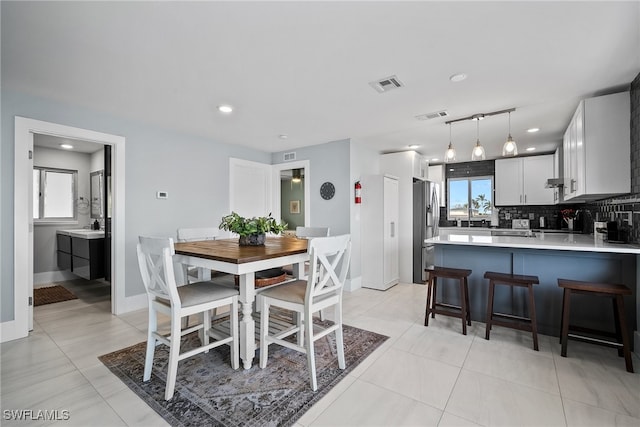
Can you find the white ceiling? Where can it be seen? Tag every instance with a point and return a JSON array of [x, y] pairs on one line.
[[303, 68], [79, 146]]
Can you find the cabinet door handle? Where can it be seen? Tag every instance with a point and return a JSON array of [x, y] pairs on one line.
[[521, 198], [525, 198], [393, 229]]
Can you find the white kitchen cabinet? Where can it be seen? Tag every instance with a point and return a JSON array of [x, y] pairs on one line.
[[522, 181], [557, 173], [437, 175], [405, 160], [379, 231], [596, 149]]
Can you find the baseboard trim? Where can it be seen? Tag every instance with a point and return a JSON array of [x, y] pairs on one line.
[[9, 331], [353, 284], [133, 303], [47, 277]]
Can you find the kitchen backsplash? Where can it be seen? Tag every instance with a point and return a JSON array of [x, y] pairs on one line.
[[604, 210]]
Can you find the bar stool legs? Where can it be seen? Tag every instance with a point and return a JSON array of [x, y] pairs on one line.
[[616, 293], [516, 322], [463, 311]]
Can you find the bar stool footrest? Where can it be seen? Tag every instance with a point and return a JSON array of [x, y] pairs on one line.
[[593, 340]]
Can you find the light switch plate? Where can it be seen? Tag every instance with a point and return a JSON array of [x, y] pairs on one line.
[[532, 216], [507, 215]]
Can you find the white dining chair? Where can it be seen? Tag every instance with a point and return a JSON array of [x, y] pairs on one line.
[[157, 270], [310, 232], [195, 274], [330, 258]]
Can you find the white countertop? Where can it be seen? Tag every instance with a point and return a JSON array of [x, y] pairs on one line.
[[83, 233], [542, 240]]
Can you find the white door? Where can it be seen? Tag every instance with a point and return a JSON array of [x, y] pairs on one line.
[[508, 182], [535, 169], [250, 190], [390, 239]]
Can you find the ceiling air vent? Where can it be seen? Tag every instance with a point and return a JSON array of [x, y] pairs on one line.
[[434, 115], [386, 84], [287, 157]]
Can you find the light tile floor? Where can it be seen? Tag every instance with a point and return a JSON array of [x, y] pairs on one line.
[[420, 376]]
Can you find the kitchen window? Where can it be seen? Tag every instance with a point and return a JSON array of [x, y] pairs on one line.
[[54, 194], [470, 198]]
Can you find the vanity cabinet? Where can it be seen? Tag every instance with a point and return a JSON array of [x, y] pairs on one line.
[[596, 147], [84, 257], [64, 251], [522, 181]]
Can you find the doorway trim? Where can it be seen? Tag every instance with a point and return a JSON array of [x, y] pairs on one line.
[[23, 218], [279, 167]]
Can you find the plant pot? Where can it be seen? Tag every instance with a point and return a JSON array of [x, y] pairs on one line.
[[252, 240]]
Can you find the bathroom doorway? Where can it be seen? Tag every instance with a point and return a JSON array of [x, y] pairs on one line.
[[84, 206], [25, 129]]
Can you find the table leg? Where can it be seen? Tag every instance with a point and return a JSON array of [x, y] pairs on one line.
[[247, 324], [298, 270]]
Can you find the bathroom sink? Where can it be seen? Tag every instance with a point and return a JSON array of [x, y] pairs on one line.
[[84, 233]]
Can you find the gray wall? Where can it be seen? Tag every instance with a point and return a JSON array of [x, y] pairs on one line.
[[291, 191], [44, 235], [193, 170], [328, 162]]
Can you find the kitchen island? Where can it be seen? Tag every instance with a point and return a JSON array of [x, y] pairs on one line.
[[549, 256]]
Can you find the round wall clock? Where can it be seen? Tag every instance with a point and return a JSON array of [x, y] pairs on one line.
[[327, 191]]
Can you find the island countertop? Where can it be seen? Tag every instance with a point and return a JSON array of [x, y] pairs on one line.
[[542, 240]]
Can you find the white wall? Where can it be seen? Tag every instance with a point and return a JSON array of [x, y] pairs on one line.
[[327, 162], [364, 161], [194, 171]]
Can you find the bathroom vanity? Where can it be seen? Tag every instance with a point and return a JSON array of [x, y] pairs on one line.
[[81, 252]]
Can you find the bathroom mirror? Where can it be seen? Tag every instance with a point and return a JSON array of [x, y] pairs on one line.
[[97, 191]]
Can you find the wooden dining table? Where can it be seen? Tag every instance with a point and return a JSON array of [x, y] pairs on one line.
[[227, 256]]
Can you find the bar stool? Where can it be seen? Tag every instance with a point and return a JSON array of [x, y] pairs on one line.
[[607, 290], [517, 322], [432, 286]]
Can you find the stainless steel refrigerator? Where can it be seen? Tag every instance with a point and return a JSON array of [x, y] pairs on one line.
[[426, 213]]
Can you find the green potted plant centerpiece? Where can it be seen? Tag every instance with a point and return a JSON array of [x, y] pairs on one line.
[[252, 231]]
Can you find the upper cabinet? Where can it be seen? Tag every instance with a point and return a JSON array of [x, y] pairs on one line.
[[437, 176], [405, 161], [596, 148], [522, 181]]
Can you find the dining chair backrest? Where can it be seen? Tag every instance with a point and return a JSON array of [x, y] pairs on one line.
[[330, 257], [156, 267], [194, 234], [309, 232]]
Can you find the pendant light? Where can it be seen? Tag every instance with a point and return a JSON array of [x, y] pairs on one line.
[[296, 175], [509, 148], [450, 154], [478, 150]]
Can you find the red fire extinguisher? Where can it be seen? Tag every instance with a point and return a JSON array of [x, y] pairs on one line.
[[358, 189]]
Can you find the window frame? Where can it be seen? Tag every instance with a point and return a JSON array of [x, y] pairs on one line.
[[42, 194], [469, 180]]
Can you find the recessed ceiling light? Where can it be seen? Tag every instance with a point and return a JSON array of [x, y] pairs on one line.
[[224, 108], [531, 149], [533, 130], [283, 136], [66, 146], [413, 146], [458, 77], [435, 159]]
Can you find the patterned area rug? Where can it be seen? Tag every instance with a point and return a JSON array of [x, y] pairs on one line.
[[209, 393], [51, 294]]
